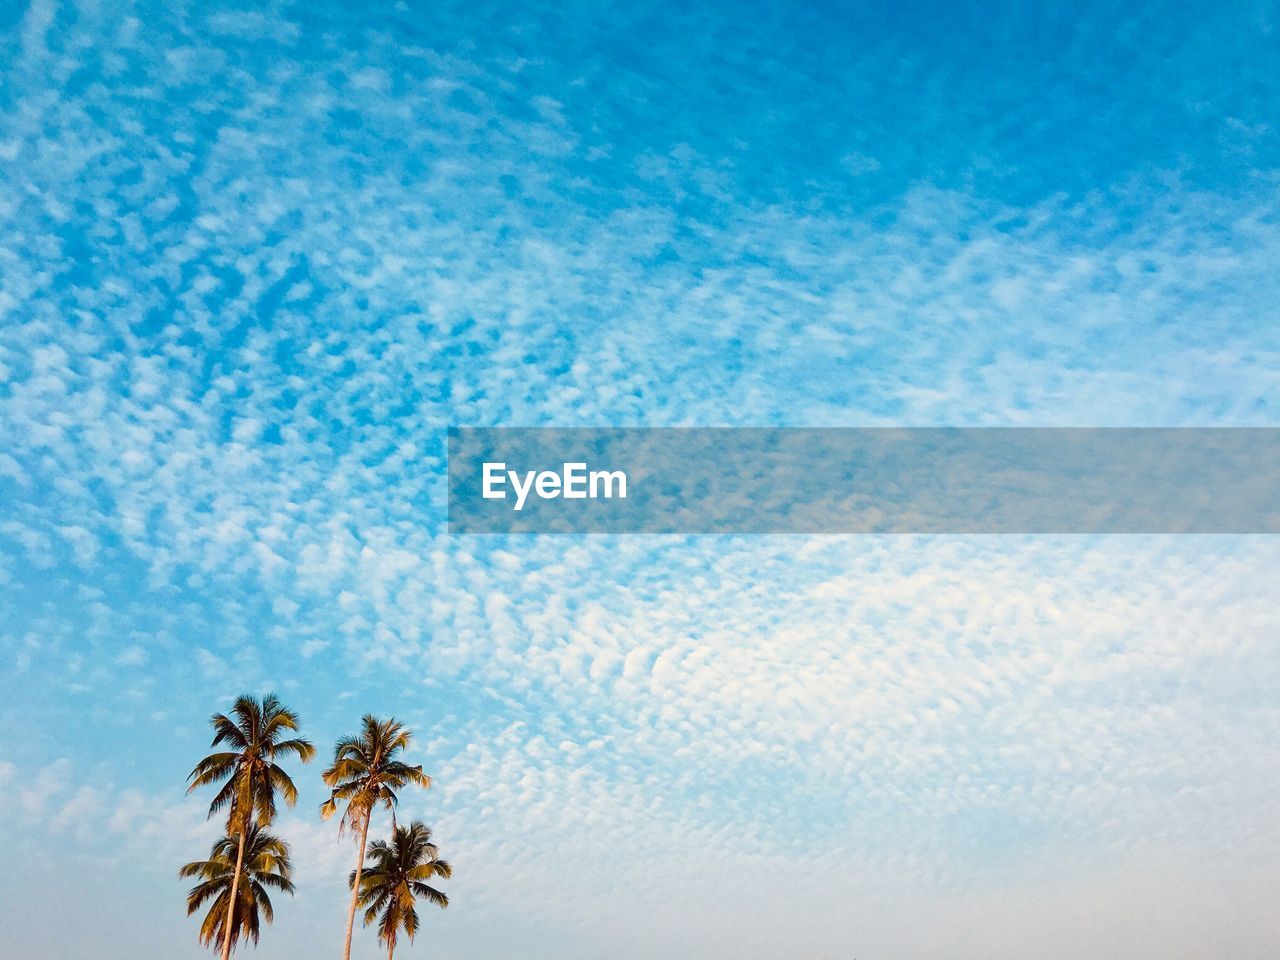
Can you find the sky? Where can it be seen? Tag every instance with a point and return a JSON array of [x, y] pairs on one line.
[[258, 259]]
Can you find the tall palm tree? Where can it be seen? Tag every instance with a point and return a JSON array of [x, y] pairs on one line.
[[264, 864], [394, 879], [366, 773], [252, 738]]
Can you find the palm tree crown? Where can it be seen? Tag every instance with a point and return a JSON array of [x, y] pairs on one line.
[[252, 777], [395, 878], [266, 866], [366, 772]]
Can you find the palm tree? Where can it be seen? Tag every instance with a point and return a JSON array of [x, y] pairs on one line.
[[252, 776], [365, 774], [265, 864], [396, 877]]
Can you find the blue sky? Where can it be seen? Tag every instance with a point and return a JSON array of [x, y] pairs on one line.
[[257, 259]]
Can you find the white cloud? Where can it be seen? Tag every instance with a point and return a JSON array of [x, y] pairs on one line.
[[246, 398]]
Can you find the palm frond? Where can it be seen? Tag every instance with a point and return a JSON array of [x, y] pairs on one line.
[[433, 868], [301, 748], [226, 731], [437, 897]]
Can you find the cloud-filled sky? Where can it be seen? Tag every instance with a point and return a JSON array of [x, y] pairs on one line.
[[256, 259]]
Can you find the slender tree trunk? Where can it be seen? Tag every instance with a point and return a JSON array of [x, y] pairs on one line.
[[355, 888], [235, 889]]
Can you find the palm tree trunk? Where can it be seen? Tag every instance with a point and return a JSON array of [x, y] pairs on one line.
[[355, 888], [231, 906]]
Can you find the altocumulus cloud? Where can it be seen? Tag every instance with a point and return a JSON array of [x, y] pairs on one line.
[[258, 260]]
